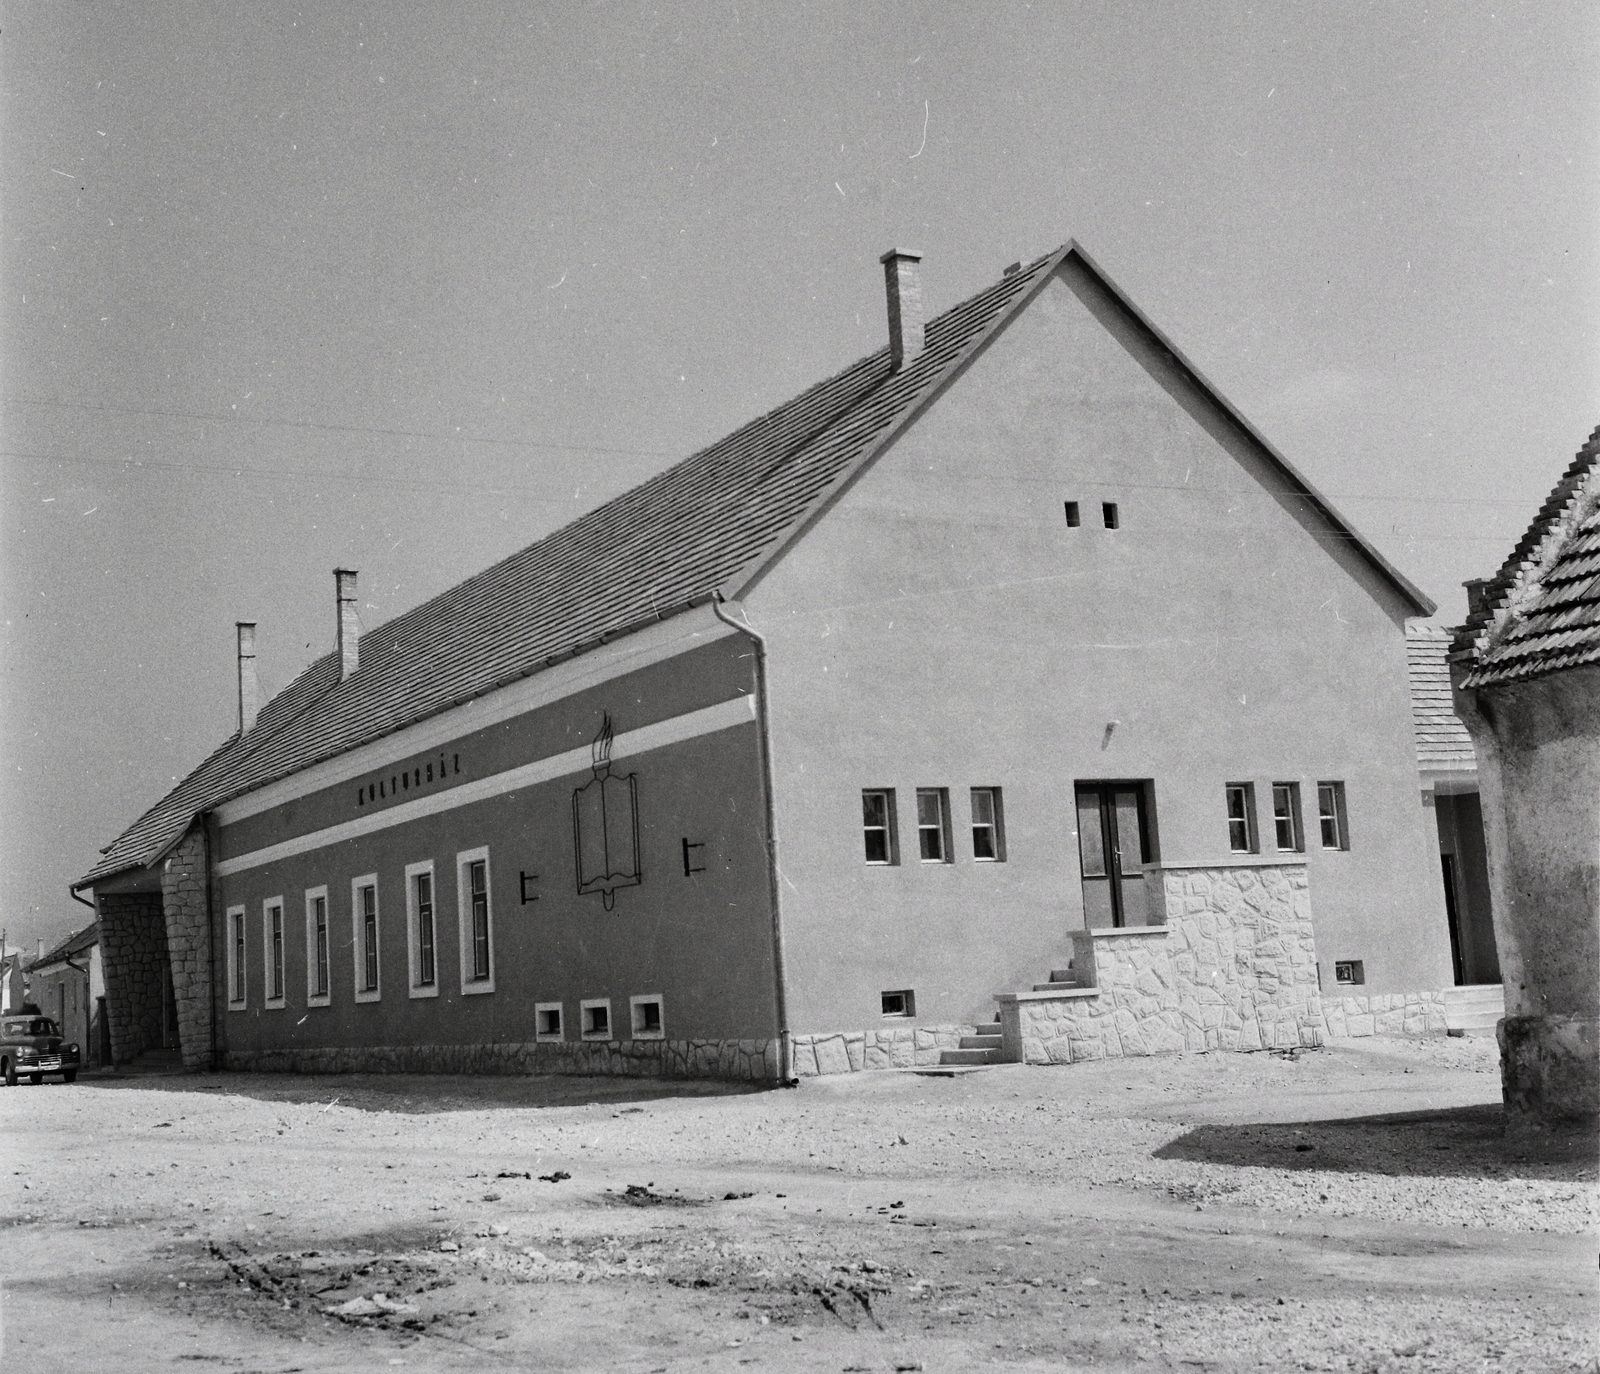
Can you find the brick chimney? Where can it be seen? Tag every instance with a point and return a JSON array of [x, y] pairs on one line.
[[344, 581], [249, 684], [905, 305]]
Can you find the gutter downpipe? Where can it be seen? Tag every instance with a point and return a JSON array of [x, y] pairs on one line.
[[73, 893], [786, 1076]]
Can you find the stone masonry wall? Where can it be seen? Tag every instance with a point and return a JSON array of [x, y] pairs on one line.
[[133, 952], [1233, 967], [184, 881], [901, 1047], [745, 1060], [1385, 1013]]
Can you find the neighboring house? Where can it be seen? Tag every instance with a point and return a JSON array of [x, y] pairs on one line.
[[1449, 770], [12, 982], [1526, 668], [1009, 653], [67, 983]]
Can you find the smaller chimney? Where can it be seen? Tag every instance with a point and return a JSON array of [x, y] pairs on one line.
[[344, 581], [1475, 586], [249, 684], [40, 955], [905, 305]]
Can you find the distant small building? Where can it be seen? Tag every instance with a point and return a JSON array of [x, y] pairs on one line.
[[1526, 670], [67, 983], [11, 978]]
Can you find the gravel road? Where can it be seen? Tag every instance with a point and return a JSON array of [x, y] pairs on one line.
[[1354, 1208]]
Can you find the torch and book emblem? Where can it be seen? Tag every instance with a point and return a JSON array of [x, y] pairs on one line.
[[605, 826]]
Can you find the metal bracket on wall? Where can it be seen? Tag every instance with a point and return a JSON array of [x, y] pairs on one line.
[[691, 854], [526, 879]]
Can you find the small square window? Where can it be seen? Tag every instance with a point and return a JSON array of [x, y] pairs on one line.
[[1349, 972], [597, 1019], [1241, 799], [1286, 817], [901, 1003], [878, 825], [1074, 519], [1331, 815], [933, 825], [646, 1011], [1108, 513], [988, 826], [547, 1020]]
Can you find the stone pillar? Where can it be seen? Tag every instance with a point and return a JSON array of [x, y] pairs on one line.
[[133, 949], [184, 884]]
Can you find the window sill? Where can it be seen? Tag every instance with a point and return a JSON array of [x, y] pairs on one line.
[[477, 986], [275, 1004], [374, 996], [238, 1006], [321, 1000], [429, 990]]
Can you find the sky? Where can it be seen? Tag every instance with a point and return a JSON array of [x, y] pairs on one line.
[[404, 288]]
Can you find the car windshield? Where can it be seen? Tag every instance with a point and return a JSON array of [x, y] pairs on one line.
[[39, 1025]]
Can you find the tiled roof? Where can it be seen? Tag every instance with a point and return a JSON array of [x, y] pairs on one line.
[[1541, 612], [1442, 740], [705, 527], [76, 943]]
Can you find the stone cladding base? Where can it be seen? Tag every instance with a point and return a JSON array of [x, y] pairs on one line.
[[903, 1047], [750, 1060], [1385, 1013]]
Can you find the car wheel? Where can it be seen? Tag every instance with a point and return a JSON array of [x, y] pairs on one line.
[[36, 1079], [69, 1075], [10, 1071]]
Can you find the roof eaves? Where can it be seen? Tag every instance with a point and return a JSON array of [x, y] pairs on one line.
[[1423, 605]]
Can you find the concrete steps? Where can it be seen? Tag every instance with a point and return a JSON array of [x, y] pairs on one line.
[[1473, 1010], [984, 1047]]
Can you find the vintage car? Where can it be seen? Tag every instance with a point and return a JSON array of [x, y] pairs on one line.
[[31, 1045]]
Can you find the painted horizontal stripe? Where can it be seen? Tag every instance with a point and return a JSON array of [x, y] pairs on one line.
[[709, 719], [643, 649]]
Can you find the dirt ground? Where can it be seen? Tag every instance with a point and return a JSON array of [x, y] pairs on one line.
[[1353, 1208]]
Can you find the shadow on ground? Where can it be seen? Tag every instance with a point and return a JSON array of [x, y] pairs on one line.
[[426, 1094], [1451, 1142]]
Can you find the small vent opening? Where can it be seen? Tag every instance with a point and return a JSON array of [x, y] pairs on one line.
[[1073, 518], [1108, 511]]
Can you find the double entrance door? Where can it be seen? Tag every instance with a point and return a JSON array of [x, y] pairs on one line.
[[1114, 842]]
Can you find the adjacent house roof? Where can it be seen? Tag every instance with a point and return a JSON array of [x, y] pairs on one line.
[[1541, 612], [78, 943], [705, 528], [1442, 740]]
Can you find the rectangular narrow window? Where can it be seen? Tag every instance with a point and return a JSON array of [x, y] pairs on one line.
[[475, 921], [547, 1020], [1241, 797], [933, 831], [1108, 512], [1331, 816], [596, 1013], [900, 1003], [646, 1012], [988, 829], [1073, 518], [364, 914], [272, 929], [877, 825], [316, 946], [422, 929], [1349, 972], [1286, 817], [236, 966]]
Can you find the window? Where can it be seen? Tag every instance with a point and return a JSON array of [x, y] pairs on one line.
[[422, 929], [236, 967], [988, 830], [1286, 816], [901, 1003], [646, 1010], [1349, 972], [933, 829], [878, 827], [1073, 518], [1108, 513], [596, 1018], [1331, 817], [475, 921], [1241, 798], [547, 1020], [317, 947], [364, 935], [272, 951]]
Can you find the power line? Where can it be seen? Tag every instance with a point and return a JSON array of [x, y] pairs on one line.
[[338, 429]]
